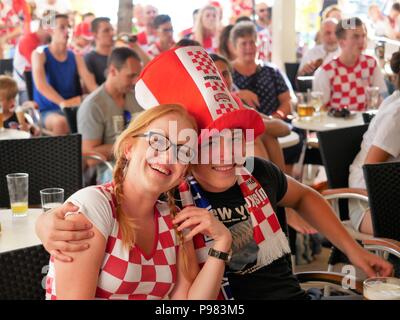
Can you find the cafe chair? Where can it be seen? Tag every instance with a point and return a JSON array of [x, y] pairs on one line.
[[32, 116], [291, 70], [71, 113], [338, 149], [91, 161], [22, 273], [383, 186], [6, 66], [49, 161]]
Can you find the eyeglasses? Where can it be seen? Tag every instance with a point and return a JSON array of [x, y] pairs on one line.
[[159, 142], [168, 30]]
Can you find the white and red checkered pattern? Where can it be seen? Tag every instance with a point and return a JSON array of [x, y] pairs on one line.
[[225, 108], [131, 274], [191, 79], [154, 50], [348, 85], [264, 45], [203, 62]]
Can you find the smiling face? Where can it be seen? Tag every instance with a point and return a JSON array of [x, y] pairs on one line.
[[154, 171], [223, 154]]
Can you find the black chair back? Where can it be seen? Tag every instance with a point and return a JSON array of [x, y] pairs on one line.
[[49, 161], [291, 70], [6, 66], [383, 185], [72, 118], [338, 149], [29, 83], [22, 274]]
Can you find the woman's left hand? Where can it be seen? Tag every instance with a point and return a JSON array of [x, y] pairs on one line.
[[199, 220], [371, 264]]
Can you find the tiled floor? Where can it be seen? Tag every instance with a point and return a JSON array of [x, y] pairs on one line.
[[319, 264]]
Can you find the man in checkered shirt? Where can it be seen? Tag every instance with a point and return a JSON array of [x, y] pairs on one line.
[[344, 80]]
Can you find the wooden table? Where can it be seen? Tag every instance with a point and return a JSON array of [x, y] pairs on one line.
[[18, 233], [10, 134]]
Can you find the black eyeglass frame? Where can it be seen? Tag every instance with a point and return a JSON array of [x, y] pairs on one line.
[[169, 144]]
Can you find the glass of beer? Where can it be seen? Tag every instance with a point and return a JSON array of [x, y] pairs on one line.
[[305, 109], [382, 288], [18, 187], [51, 198]]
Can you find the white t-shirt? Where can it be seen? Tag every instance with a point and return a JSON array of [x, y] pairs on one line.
[[318, 52], [384, 133], [344, 86]]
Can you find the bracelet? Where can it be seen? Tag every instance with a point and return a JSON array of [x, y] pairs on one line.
[[280, 114]]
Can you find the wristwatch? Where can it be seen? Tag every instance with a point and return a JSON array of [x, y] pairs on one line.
[[226, 257]]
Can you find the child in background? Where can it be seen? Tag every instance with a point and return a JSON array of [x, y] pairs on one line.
[[13, 117]]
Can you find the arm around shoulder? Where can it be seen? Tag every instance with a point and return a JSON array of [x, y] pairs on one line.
[[78, 279]]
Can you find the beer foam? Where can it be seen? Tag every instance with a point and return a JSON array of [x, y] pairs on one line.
[[379, 290]]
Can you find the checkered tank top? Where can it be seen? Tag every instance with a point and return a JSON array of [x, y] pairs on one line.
[[348, 84], [131, 274]]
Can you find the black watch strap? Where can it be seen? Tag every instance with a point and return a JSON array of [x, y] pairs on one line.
[[219, 254]]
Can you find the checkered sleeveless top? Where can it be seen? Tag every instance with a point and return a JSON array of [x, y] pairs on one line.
[[348, 84], [131, 274]]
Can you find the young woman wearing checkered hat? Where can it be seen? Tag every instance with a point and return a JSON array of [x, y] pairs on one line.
[[136, 252]]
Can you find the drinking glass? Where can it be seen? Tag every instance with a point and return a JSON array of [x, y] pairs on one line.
[[18, 190], [382, 288], [305, 109], [317, 101], [51, 198], [372, 98]]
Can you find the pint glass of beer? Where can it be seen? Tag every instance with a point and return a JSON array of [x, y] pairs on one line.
[[382, 288]]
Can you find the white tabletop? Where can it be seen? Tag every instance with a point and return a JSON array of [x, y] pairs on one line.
[[290, 140], [7, 134], [18, 233], [325, 122]]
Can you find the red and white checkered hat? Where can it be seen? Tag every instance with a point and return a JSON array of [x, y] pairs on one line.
[[188, 76]]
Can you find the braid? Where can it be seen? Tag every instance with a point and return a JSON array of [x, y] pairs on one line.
[[126, 224], [173, 212]]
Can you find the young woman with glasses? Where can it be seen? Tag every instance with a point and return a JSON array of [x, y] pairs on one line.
[[138, 250]]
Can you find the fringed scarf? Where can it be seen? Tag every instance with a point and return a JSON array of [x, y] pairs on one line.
[[267, 232]]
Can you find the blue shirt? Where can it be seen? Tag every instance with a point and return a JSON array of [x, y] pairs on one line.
[[62, 76]]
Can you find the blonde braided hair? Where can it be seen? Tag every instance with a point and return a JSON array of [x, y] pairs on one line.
[[124, 141]]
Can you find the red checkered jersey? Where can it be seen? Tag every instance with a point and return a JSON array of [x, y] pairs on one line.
[[264, 46], [131, 274], [348, 84], [154, 50]]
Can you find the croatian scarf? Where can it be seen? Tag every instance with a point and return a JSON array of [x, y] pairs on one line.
[[267, 232]]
